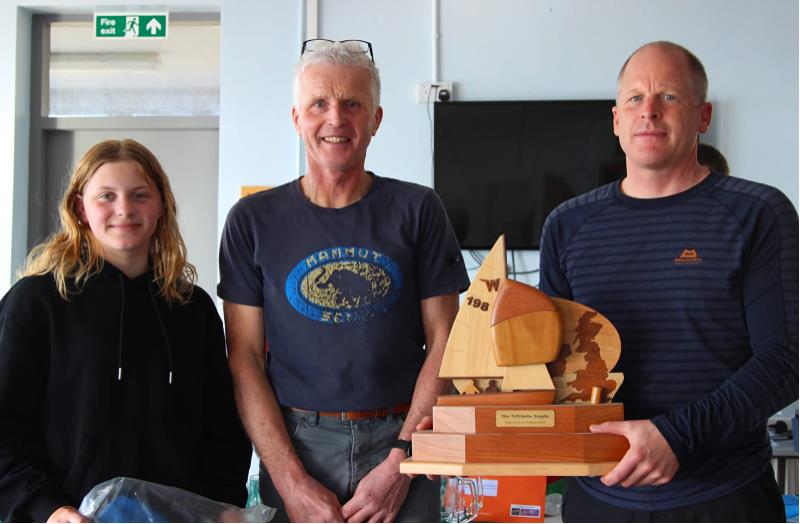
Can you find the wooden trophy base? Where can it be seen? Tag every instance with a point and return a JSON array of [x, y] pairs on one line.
[[546, 439], [520, 469]]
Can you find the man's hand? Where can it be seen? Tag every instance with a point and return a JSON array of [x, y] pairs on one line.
[[650, 460], [310, 501], [306, 500], [67, 514], [380, 494]]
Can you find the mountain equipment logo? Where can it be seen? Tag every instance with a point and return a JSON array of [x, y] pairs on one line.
[[688, 257]]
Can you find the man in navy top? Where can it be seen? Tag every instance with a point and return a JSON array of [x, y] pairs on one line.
[[698, 272], [352, 281]]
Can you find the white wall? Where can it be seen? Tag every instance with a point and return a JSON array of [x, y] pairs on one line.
[[518, 49], [503, 49], [257, 144], [14, 131]]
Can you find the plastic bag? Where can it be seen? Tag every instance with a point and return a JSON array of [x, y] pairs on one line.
[[124, 499]]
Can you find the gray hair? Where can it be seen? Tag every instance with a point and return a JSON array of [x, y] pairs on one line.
[[697, 71], [339, 53]]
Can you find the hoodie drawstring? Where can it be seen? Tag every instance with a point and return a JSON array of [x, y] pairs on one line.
[[122, 326], [163, 330]]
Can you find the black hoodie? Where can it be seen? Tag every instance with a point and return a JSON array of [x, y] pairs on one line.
[[113, 382]]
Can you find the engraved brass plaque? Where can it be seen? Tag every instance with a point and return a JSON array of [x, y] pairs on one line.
[[519, 418]]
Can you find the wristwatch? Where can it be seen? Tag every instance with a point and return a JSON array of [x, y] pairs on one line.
[[405, 445]]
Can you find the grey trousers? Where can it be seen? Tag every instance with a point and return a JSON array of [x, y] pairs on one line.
[[338, 454]]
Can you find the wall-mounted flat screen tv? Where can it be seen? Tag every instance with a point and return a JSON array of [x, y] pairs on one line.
[[501, 167]]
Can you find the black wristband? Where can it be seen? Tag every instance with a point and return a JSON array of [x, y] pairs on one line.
[[405, 445]]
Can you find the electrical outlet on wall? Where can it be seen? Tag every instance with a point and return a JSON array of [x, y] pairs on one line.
[[429, 91]]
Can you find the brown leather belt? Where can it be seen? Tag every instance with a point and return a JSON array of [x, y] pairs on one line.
[[399, 409]]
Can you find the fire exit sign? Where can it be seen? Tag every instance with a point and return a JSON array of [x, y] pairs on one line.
[[129, 25]]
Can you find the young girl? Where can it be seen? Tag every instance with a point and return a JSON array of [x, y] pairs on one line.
[[112, 363]]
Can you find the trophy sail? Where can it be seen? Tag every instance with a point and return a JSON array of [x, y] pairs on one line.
[[469, 356], [468, 353]]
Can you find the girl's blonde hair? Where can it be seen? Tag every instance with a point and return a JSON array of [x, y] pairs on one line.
[[74, 252]]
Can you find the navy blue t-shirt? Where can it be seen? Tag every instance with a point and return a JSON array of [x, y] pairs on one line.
[[702, 287], [341, 289]]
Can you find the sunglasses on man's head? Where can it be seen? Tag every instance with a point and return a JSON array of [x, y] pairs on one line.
[[316, 44]]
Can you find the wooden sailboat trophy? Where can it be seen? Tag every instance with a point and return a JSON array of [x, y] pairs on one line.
[[533, 373]]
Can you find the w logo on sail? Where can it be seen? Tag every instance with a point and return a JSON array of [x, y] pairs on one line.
[[491, 285], [688, 257]]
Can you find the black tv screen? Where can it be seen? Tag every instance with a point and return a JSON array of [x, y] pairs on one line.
[[501, 167]]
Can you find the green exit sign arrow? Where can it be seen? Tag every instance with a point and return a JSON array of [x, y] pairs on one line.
[[130, 25]]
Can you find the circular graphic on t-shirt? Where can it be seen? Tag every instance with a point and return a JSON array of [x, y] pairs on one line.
[[344, 284]]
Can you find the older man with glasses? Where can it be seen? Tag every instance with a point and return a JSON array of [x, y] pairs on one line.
[[351, 280]]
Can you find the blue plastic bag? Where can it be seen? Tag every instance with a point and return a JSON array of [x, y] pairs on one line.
[[124, 499], [790, 504]]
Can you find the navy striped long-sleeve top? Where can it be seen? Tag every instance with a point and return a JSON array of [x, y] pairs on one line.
[[703, 289]]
